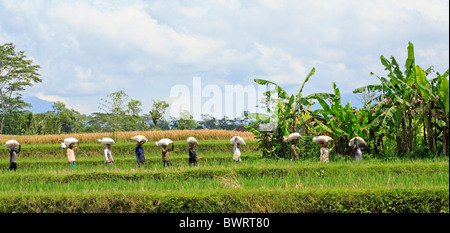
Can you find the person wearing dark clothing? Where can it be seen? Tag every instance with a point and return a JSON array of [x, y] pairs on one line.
[[192, 155], [357, 151], [140, 157], [13, 157]]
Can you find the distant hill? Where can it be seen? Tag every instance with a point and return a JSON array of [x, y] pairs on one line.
[[38, 105]]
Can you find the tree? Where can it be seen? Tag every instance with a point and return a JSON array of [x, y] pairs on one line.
[[158, 111], [285, 113], [186, 120], [409, 100], [115, 105], [16, 72]]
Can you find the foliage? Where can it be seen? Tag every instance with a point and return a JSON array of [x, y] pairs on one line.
[[410, 102], [158, 111], [287, 113], [16, 73]]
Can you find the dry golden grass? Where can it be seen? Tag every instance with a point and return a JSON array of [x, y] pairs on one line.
[[175, 135]]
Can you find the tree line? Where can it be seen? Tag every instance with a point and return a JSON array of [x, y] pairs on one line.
[[118, 111]]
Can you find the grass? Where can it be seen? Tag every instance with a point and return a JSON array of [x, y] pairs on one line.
[[46, 183], [152, 136]]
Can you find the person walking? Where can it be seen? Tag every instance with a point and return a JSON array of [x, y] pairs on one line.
[[108, 155], [294, 152], [165, 154], [192, 155], [236, 151], [325, 152], [357, 151], [140, 157], [13, 157], [71, 154]]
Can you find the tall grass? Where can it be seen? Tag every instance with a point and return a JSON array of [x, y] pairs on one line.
[[234, 181], [125, 136]]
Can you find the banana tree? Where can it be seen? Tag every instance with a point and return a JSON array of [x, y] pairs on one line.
[[286, 114], [398, 100], [341, 122], [434, 99]]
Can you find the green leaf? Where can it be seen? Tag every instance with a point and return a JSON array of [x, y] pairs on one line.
[[281, 92], [423, 84], [374, 87], [323, 126], [409, 65], [254, 131], [313, 70], [443, 92]]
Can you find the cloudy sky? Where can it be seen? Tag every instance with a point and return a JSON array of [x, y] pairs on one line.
[[89, 49]]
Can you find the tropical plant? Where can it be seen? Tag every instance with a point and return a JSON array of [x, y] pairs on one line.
[[408, 97], [287, 112]]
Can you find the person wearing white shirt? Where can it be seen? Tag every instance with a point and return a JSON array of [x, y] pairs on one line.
[[108, 156], [236, 151]]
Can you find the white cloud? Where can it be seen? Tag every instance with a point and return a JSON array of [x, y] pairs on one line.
[[279, 66], [51, 98], [93, 48]]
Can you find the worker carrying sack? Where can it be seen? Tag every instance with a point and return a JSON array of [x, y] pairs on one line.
[[10, 143], [353, 141], [69, 141], [239, 140], [139, 138], [106, 141], [294, 136], [322, 139], [192, 140], [164, 142]]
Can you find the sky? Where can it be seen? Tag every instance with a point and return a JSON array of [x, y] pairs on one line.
[[89, 49]]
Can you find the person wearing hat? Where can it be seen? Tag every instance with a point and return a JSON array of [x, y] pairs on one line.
[[71, 154], [140, 157], [294, 152], [13, 156]]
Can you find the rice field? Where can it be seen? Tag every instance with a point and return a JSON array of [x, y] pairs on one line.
[[152, 136], [218, 184]]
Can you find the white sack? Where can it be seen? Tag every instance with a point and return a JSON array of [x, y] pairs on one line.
[[239, 140], [63, 145], [355, 139], [69, 141], [164, 142], [322, 139], [106, 141], [10, 143], [139, 138], [192, 140], [294, 136]]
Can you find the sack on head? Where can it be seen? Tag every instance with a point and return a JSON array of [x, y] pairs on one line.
[[106, 141], [353, 141], [294, 136], [164, 142], [139, 138], [192, 140], [10, 143], [69, 141], [239, 140]]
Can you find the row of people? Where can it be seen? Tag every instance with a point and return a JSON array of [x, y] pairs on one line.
[[193, 158]]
